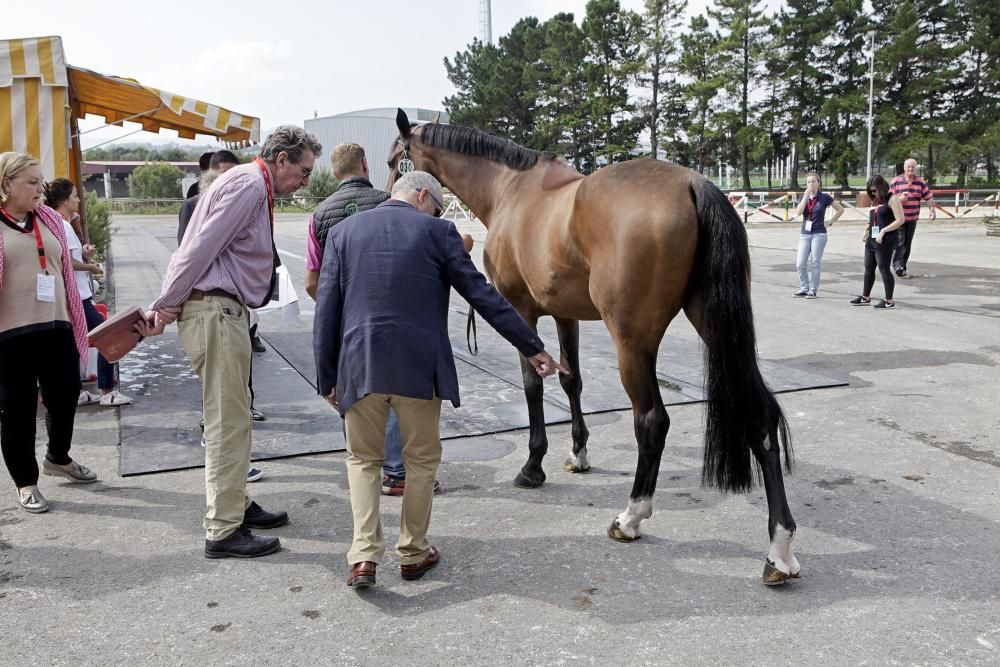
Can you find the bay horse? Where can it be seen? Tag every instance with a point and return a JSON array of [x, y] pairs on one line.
[[631, 244]]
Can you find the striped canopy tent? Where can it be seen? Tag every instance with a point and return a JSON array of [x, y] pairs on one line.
[[42, 98]]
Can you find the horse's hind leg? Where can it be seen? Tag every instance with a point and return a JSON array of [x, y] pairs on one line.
[[531, 474], [638, 373], [569, 348], [781, 564]]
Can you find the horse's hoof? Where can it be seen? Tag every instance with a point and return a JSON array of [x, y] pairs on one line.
[[522, 481], [774, 577], [615, 533], [570, 466]]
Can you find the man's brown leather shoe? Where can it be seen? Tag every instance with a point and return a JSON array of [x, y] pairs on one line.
[[417, 570], [362, 574]]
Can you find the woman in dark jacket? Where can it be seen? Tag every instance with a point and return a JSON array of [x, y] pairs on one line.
[[884, 218]]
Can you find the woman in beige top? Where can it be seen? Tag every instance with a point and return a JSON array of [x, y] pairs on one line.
[[43, 334]]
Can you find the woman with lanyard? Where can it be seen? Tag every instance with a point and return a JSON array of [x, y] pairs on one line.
[[43, 333], [884, 218], [812, 234], [61, 196]]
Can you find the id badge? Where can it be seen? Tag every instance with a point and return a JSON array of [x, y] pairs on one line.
[[875, 231], [809, 225], [46, 288]]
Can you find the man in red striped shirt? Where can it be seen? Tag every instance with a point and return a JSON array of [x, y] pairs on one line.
[[224, 265], [911, 190]]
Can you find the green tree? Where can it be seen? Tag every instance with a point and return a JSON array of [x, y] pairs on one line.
[[322, 184], [660, 22], [156, 180], [699, 64], [98, 219], [845, 106], [801, 28], [741, 42], [898, 97], [975, 126], [564, 124], [613, 63]]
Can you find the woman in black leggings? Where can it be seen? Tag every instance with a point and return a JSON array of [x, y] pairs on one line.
[[885, 217]]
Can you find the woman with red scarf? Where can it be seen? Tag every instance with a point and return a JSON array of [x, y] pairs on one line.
[[43, 333]]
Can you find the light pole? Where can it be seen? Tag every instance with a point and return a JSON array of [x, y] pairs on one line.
[[871, 96]]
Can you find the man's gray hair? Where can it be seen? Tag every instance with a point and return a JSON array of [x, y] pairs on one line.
[[416, 180], [292, 140]]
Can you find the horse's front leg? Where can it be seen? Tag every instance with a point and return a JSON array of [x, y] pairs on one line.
[[638, 373], [569, 348], [531, 474], [781, 564]]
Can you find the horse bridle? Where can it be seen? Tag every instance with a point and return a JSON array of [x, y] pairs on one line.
[[405, 164]]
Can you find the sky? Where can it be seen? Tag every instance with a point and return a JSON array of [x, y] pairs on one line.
[[282, 62]]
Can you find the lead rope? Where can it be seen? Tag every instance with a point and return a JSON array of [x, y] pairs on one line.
[[470, 333]]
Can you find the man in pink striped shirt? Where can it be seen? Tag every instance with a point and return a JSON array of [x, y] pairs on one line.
[[224, 265], [910, 189]]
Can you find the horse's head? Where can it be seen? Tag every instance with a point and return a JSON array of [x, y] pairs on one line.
[[407, 153]]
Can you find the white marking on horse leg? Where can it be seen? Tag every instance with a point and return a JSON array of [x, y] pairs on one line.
[[637, 510], [580, 461], [780, 553]]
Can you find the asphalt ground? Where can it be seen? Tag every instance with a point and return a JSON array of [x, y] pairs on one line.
[[895, 491]]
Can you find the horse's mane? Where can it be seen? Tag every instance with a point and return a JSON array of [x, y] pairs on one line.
[[469, 141]]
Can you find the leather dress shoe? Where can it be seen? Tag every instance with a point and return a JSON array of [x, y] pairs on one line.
[[241, 544], [256, 516], [362, 574], [417, 570]]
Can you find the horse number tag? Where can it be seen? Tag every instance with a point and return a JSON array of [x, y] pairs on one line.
[[405, 165], [46, 289]]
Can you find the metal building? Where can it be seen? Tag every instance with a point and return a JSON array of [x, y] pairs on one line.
[[374, 129]]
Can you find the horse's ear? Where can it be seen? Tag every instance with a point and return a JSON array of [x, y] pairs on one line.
[[403, 123]]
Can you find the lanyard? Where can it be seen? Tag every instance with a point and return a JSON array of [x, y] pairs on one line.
[[41, 248], [35, 223], [810, 205], [267, 184]]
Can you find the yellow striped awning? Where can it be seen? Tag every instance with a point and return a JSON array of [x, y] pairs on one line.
[[117, 99], [34, 104]]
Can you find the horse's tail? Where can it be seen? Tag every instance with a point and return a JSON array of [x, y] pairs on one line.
[[741, 408]]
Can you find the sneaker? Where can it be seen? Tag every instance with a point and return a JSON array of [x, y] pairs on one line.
[[900, 272], [257, 415], [861, 301], [801, 293], [115, 398], [86, 398], [395, 486], [255, 474], [811, 294], [80, 474], [883, 304], [32, 500]]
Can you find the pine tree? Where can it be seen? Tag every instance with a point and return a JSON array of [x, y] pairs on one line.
[[660, 22], [742, 36], [699, 64], [844, 110], [801, 29], [613, 63]]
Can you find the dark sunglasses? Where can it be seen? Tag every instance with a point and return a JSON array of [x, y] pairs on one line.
[[439, 211]]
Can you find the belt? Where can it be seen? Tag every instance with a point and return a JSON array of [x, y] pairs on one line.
[[198, 295]]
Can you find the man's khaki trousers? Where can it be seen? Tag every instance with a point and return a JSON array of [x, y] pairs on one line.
[[419, 423], [216, 337]]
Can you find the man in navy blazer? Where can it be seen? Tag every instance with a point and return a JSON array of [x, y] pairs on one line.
[[380, 337]]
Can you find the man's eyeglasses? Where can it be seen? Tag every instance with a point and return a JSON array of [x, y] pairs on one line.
[[439, 210], [305, 172]]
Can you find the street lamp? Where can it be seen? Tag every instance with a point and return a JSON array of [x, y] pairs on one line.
[[871, 96]]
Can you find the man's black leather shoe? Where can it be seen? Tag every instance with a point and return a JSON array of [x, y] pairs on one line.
[[256, 516], [242, 544]]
